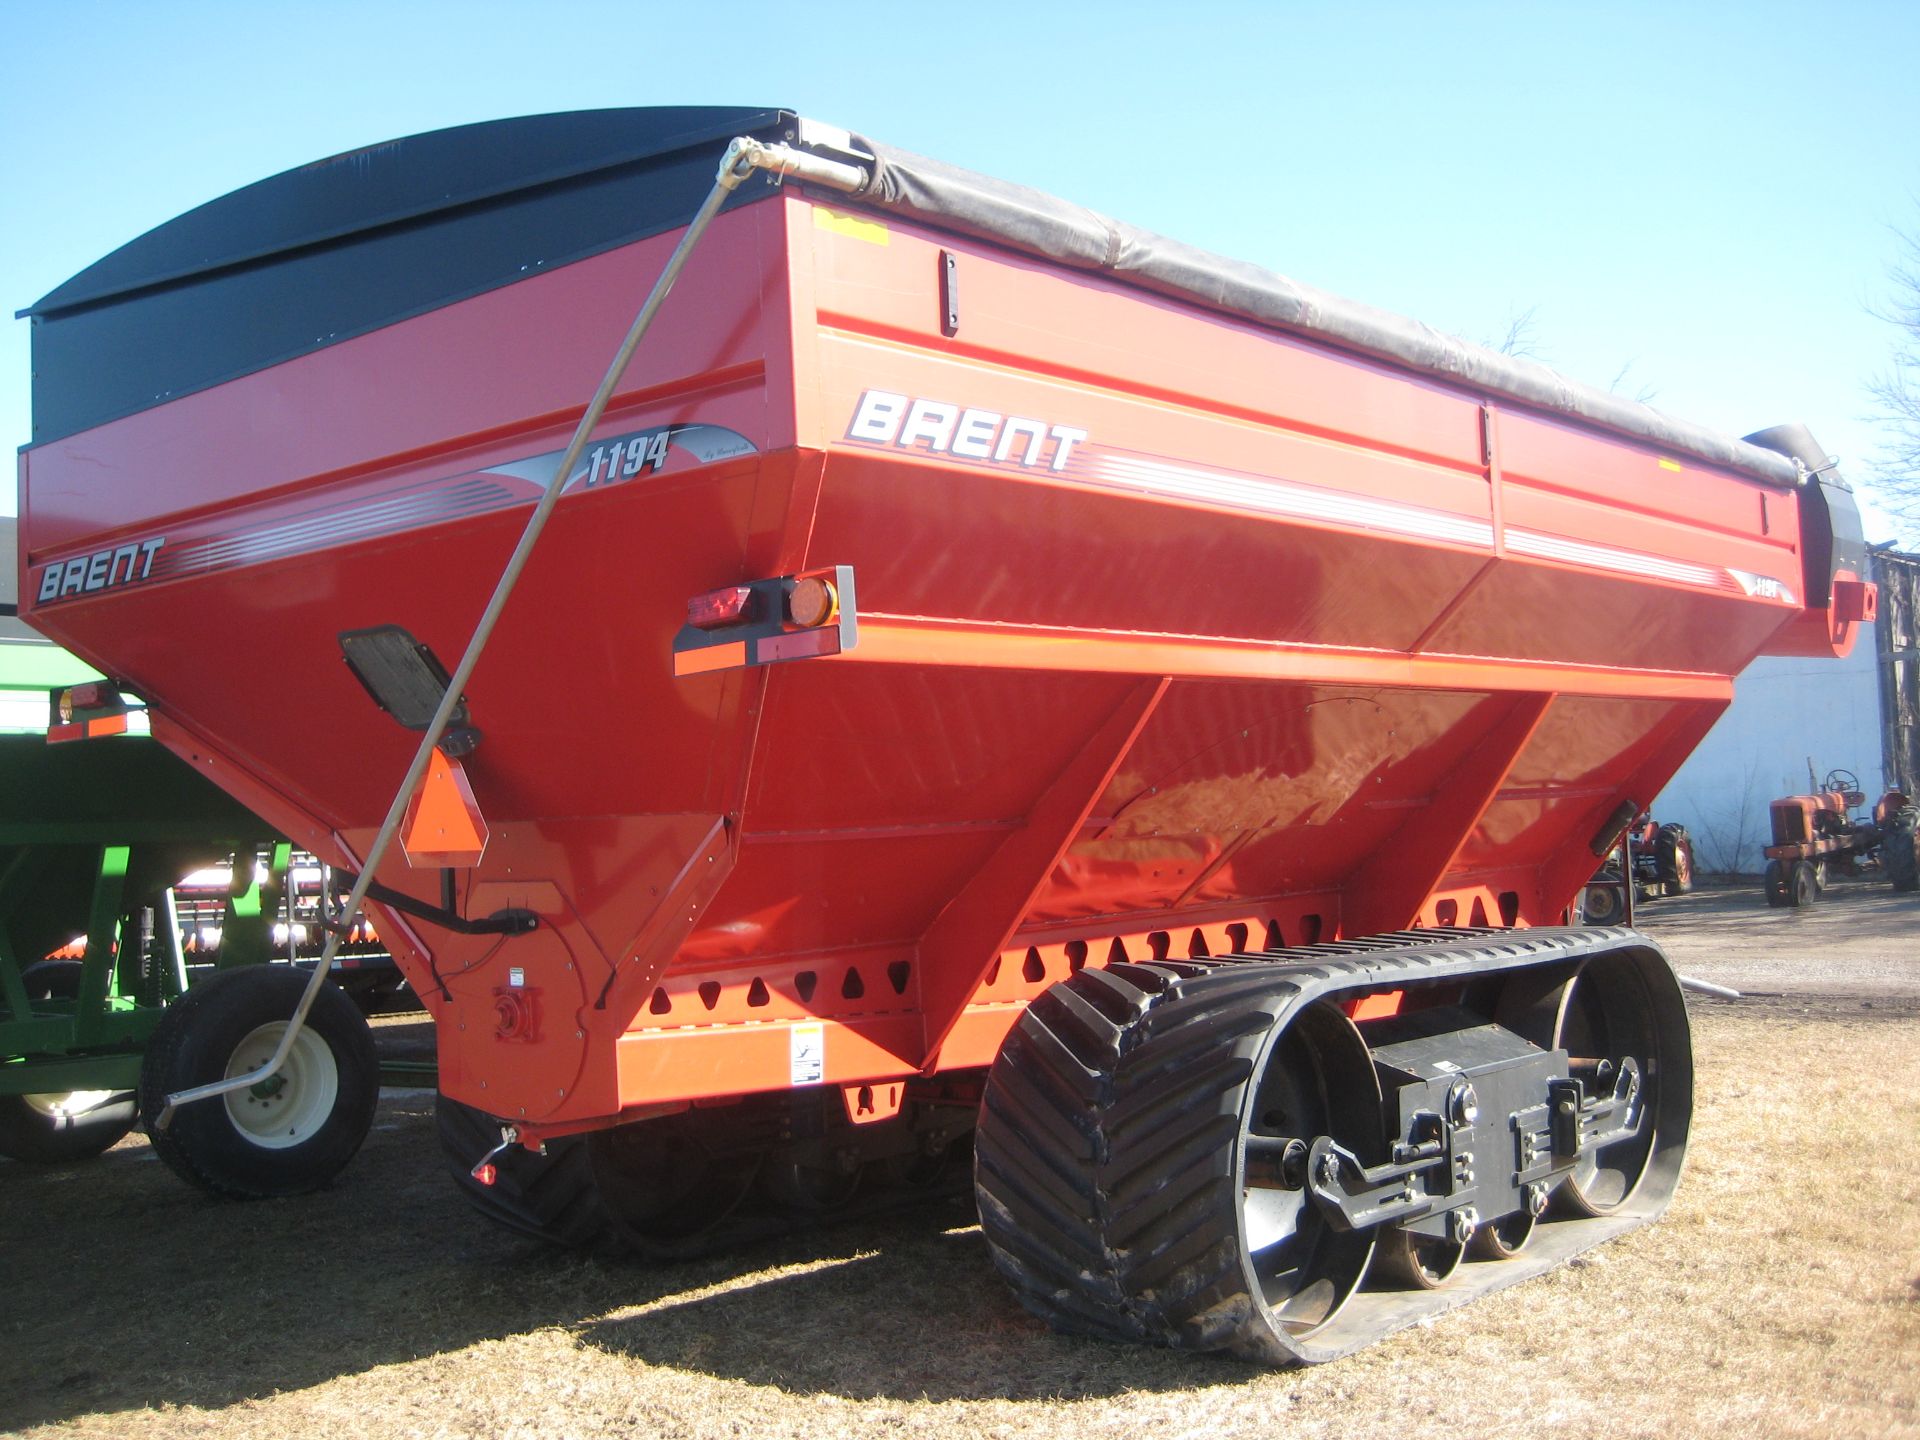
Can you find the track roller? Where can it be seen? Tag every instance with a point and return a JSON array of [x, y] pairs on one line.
[[1420, 1261], [1508, 1236]]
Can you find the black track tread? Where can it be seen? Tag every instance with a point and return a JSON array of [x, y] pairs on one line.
[[550, 1197], [1038, 1167], [1898, 849], [1150, 1219], [556, 1197], [1159, 1181], [1105, 1160]]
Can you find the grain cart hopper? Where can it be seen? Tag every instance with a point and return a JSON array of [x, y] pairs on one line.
[[990, 672]]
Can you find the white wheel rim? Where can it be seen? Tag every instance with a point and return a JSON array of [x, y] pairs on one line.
[[293, 1105], [70, 1104]]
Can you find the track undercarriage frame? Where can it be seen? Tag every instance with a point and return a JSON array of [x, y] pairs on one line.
[[1284, 1154]]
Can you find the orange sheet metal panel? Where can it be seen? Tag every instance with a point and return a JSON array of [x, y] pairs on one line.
[[1333, 591]]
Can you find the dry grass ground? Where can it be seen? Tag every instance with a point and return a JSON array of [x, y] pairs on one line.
[[1780, 1297]]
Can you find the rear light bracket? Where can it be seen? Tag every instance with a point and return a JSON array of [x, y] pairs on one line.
[[766, 633]]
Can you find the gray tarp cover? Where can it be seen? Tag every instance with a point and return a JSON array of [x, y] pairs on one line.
[[950, 198]]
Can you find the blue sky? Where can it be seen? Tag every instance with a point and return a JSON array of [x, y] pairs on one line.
[[1700, 195]]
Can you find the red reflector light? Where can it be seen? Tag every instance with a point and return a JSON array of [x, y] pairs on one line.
[[727, 606], [485, 1173]]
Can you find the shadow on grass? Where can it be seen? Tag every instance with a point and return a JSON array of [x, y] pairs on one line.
[[126, 1289], [913, 1310]]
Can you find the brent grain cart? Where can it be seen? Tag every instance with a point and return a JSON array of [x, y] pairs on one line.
[[990, 675]]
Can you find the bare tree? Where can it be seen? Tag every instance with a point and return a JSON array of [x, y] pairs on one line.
[[1522, 341], [1727, 835], [1896, 390], [1645, 394], [1521, 338]]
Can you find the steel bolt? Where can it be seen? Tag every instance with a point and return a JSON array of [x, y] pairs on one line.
[[1536, 1194], [1462, 1223], [1329, 1169]]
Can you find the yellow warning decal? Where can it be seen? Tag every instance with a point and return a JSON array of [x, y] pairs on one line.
[[857, 226], [1669, 464]]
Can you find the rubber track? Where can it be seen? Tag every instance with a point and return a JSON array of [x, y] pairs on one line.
[[549, 1197], [1105, 1154], [555, 1197], [1130, 1232]]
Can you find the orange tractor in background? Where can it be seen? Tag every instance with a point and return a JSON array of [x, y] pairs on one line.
[[1815, 833], [1659, 862]]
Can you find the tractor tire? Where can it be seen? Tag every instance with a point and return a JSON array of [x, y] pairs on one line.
[[52, 979], [1801, 885], [289, 1135], [1779, 890], [62, 1126], [1600, 905], [552, 1196], [1900, 849], [1673, 859]]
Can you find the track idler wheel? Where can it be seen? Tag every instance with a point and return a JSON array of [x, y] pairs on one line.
[[668, 1192], [1617, 1008], [810, 1188], [1131, 1158]]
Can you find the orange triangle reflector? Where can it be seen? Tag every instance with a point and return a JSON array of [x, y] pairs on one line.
[[443, 826]]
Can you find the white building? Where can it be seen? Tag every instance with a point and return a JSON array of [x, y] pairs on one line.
[[1793, 720], [1787, 714]]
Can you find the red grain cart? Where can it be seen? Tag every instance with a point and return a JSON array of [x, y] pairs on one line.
[[995, 674]]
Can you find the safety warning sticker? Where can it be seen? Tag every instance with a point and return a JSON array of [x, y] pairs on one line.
[[807, 1054]]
